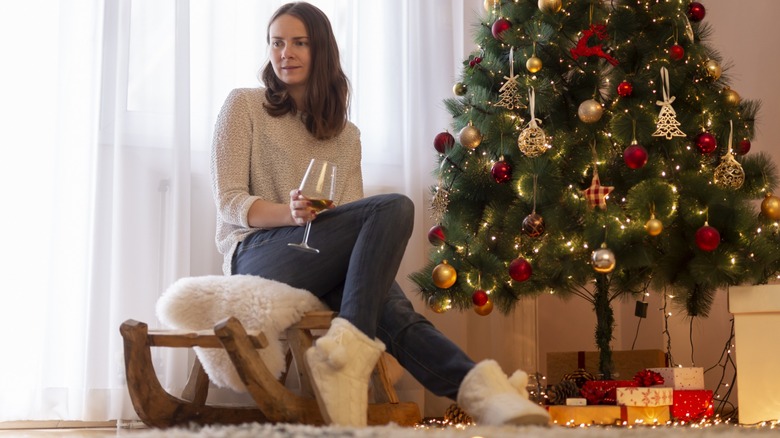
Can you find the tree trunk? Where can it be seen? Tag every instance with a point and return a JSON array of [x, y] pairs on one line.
[[605, 322]]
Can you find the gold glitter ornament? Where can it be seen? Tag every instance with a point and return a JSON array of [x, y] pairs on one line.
[[731, 97], [667, 125], [491, 4], [653, 226], [713, 69], [729, 173], [459, 89], [484, 309], [590, 111], [439, 304], [509, 95], [533, 64], [770, 207], [444, 275], [532, 140], [470, 136], [550, 6]]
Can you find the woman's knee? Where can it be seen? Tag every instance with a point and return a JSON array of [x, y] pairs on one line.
[[401, 206]]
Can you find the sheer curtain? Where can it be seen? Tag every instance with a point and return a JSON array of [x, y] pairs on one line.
[[107, 115]]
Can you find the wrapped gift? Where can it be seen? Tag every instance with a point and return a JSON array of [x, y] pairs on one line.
[[627, 363], [645, 396], [682, 377], [692, 405], [575, 415], [603, 392]]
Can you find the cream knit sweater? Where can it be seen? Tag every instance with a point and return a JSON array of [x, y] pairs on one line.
[[256, 156]]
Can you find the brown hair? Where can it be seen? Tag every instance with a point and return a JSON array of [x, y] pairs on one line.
[[327, 89]]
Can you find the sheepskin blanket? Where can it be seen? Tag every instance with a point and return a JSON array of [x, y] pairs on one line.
[[199, 303]]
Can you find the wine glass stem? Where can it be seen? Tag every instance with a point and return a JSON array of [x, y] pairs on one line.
[[306, 233]]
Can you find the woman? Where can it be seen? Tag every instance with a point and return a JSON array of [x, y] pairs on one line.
[[263, 141]]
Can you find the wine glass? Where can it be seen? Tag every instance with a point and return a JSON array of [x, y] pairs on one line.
[[317, 186]]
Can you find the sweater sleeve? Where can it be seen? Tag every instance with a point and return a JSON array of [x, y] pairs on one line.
[[230, 160]]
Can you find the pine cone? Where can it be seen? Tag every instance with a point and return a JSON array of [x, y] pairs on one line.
[[579, 377], [563, 390], [455, 415]]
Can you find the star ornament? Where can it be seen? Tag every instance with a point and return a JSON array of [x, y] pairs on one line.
[[596, 194]]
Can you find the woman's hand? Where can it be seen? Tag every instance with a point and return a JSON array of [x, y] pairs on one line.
[[300, 208]]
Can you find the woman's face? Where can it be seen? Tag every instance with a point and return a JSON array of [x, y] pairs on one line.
[[290, 52]]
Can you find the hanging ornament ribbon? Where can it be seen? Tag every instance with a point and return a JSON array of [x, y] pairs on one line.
[[532, 140], [729, 173], [509, 94], [667, 126]]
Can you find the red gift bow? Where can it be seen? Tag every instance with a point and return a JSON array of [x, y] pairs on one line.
[[648, 378]]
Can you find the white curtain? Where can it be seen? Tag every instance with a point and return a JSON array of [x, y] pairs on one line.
[[106, 112]]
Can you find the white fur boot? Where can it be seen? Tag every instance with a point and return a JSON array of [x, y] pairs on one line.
[[340, 365], [492, 399]]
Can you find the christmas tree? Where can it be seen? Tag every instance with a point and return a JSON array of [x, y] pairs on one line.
[[598, 152]]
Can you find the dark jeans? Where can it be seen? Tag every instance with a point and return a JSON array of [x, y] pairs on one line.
[[361, 245]]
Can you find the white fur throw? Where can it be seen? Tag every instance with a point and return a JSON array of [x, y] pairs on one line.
[[199, 303]]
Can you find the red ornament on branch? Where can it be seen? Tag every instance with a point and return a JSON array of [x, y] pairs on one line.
[[706, 142], [625, 89], [635, 156], [479, 298], [707, 238], [520, 269], [696, 11], [583, 49], [436, 235], [500, 26], [443, 142], [743, 147], [501, 171], [676, 52]]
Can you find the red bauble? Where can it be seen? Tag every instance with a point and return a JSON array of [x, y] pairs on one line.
[[501, 171], [696, 11], [706, 142], [499, 26], [676, 52], [635, 156], [479, 298], [443, 141], [436, 235], [520, 269], [707, 238], [743, 147], [625, 89]]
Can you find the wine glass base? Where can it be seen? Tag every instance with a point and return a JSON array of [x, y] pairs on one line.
[[304, 247]]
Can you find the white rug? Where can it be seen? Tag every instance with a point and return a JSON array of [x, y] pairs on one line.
[[299, 431]]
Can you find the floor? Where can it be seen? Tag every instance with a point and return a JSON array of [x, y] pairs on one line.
[[23, 429]]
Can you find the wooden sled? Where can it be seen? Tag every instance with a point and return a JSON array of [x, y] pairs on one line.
[[275, 403]]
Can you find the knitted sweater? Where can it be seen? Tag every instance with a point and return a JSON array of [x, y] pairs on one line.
[[256, 156]]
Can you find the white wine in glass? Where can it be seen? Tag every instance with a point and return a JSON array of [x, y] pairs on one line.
[[318, 187]]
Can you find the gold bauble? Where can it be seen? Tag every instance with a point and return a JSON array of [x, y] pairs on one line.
[[653, 226], [603, 260], [731, 97], [770, 207], [470, 136], [534, 64], [590, 111], [550, 6], [444, 275], [484, 309], [459, 89], [729, 173], [532, 141], [491, 4], [439, 303], [713, 69]]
